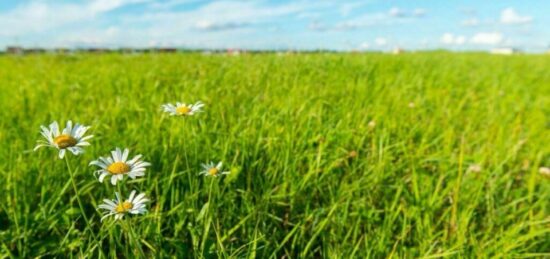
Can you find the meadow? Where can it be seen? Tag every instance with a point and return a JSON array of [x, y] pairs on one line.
[[331, 155]]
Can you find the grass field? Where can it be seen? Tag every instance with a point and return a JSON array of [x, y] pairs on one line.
[[331, 155]]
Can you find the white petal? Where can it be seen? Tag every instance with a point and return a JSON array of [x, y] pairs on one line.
[[132, 194], [54, 128], [76, 150], [114, 154], [83, 144], [110, 202], [102, 176], [105, 160], [113, 180], [39, 146], [135, 159], [61, 153], [106, 215], [86, 138], [125, 155], [98, 163], [105, 207], [141, 195]]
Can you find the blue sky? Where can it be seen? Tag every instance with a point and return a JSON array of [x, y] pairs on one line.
[[330, 24]]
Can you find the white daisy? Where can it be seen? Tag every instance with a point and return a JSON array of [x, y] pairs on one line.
[[182, 109], [117, 207], [545, 171], [474, 168], [211, 169], [118, 165], [70, 138], [372, 124]]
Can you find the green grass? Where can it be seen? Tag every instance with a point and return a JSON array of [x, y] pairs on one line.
[[310, 177]]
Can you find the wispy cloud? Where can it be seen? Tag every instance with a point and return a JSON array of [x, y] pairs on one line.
[[392, 17], [487, 38], [381, 41], [470, 22], [219, 26], [38, 16], [398, 12], [511, 16], [451, 39], [264, 24]]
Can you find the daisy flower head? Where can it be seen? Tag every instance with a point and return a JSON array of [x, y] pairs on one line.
[[119, 207], [212, 169], [372, 124], [474, 168], [117, 166], [69, 138], [182, 109], [545, 171]]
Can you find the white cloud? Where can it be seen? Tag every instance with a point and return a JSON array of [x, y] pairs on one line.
[[459, 40], [167, 4], [419, 12], [511, 16], [392, 17], [447, 38], [471, 22], [396, 12], [358, 22], [308, 15], [100, 6], [218, 26], [364, 46], [401, 13], [451, 39], [380, 41], [347, 8], [487, 38], [40, 16], [216, 14]]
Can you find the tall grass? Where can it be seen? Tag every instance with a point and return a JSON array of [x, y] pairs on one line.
[[310, 177]]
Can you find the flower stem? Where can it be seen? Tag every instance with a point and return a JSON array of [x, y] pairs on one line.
[[133, 237], [210, 194], [89, 226]]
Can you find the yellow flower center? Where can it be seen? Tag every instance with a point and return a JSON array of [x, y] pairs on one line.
[[118, 168], [183, 110], [64, 141], [124, 207], [213, 171]]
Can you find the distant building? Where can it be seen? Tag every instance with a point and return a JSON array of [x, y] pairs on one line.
[[233, 52], [14, 50], [127, 50], [61, 50], [504, 51], [34, 51], [167, 50], [397, 51], [97, 50]]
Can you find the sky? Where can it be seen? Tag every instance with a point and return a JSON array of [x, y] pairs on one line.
[[277, 25]]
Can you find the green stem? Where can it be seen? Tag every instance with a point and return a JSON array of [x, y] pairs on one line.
[[133, 237], [210, 194], [89, 226]]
